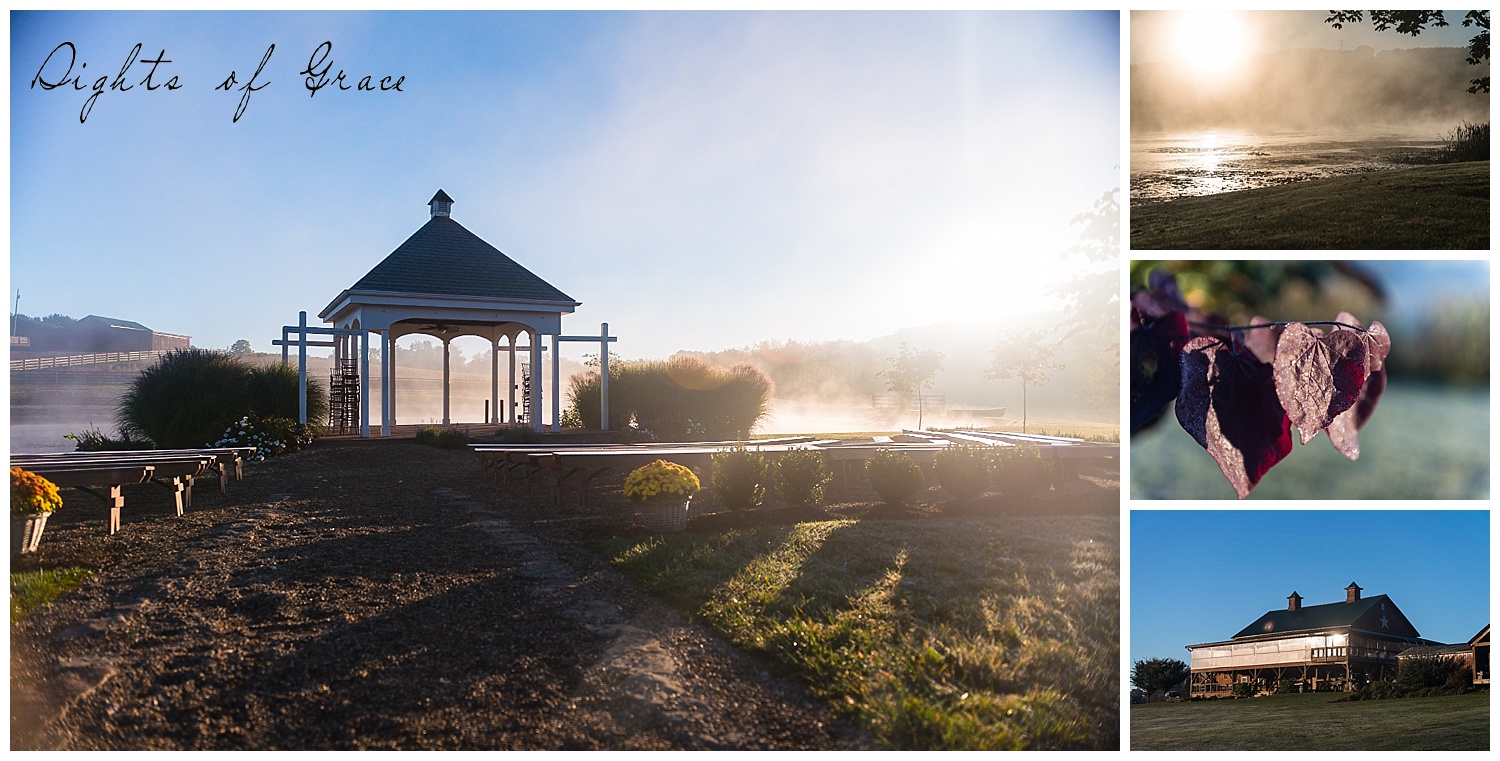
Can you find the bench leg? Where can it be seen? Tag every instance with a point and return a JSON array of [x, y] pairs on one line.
[[116, 503]]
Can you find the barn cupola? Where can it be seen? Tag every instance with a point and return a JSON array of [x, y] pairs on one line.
[[1294, 602], [1351, 592], [441, 205]]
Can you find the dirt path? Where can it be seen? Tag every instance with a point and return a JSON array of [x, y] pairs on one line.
[[372, 595]]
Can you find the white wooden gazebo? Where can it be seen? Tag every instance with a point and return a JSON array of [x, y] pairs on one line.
[[446, 282]]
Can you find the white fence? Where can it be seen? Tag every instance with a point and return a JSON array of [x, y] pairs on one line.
[[79, 360]]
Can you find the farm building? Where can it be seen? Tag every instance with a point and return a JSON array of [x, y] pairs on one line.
[[94, 334], [1474, 655], [1317, 648]]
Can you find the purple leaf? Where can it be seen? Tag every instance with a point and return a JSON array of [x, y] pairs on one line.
[[1343, 432], [1155, 369], [1262, 341], [1317, 376], [1228, 404]]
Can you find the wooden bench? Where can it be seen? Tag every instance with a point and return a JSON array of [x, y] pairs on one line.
[[173, 471], [87, 478], [224, 458]]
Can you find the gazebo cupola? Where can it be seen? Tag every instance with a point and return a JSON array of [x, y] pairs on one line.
[[441, 205], [445, 282]]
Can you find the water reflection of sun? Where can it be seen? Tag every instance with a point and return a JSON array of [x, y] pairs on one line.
[[1212, 46]]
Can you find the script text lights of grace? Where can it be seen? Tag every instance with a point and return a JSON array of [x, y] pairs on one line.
[[119, 84]]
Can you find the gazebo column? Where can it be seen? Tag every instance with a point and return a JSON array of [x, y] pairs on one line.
[[392, 344], [446, 418], [494, 381], [364, 384], [510, 406], [536, 381], [385, 383], [556, 382]]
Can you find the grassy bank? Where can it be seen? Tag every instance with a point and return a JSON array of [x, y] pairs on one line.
[[1430, 207], [30, 590], [1314, 722], [935, 634]]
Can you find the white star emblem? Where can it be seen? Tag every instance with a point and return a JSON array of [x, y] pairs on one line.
[[1385, 622]]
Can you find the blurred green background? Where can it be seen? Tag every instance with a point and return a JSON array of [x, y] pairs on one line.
[[1429, 437]]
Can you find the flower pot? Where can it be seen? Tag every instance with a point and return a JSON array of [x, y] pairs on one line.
[[26, 533], [665, 516]]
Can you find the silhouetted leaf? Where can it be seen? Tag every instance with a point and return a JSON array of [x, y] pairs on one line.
[[1228, 404], [1343, 432], [1155, 368], [1317, 376]]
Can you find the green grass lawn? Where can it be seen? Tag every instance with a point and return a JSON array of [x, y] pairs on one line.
[[942, 633], [32, 589], [1314, 722], [1432, 207]]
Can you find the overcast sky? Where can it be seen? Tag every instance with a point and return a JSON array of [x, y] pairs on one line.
[[697, 180], [1201, 576]]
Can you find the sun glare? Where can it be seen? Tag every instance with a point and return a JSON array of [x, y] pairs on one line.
[[1211, 45]]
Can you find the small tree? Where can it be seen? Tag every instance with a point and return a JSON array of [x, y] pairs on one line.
[[1021, 355], [911, 373], [240, 348], [1157, 675]]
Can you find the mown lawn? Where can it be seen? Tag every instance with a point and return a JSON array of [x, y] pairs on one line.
[[1432, 207], [999, 632], [1314, 722]]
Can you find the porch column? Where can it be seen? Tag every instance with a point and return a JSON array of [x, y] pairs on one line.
[[302, 368]]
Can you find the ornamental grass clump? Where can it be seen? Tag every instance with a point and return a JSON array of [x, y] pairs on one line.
[[964, 470], [895, 476], [660, 481], [740, 476], [31, 494], [443, 438], [801, 475]]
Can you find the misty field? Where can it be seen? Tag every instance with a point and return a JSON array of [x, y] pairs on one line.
[[1423, 442], [1431, 207], [950, 633], [1314, 722]]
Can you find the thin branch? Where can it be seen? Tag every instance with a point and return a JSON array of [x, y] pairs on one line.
[[1277, 325]]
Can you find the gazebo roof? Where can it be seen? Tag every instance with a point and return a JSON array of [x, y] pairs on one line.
[[444, 258]]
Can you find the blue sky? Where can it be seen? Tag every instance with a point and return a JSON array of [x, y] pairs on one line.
[[698, 180], [1202, 575]]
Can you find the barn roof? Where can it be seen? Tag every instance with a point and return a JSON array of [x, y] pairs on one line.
[[1376, 613], [443, 258]]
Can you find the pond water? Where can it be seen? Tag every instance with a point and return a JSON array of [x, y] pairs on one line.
[[1423, 442], [1164, 166]]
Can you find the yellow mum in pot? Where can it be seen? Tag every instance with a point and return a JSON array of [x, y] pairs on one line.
[[660, 480]]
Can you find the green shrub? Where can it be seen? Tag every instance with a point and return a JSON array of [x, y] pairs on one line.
[[739, 478], [1242, 690], [895, 476], [964, 470], [1422, 671], [519, 435], [442, 438], [190, 396], [1020, 471], [801, 476], [682, 399], [269, 436], [93, 440]]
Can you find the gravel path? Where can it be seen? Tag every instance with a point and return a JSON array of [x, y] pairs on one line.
[[373, 595]]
